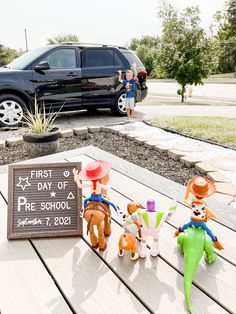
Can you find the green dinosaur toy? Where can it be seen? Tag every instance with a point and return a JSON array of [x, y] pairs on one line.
[[193, 243]]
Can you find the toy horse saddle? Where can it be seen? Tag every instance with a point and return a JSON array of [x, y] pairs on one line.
[[100, 206]]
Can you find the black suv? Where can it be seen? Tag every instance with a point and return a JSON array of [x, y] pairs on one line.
[[79, 76]]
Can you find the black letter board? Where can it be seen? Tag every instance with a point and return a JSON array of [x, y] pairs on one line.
[[43, 201]]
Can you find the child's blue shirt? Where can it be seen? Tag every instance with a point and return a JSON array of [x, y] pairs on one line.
[[130, 89]]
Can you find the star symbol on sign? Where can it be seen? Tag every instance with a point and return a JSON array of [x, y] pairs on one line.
[[53, 194], [23, 183]]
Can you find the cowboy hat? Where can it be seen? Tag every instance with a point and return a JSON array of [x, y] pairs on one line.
[[95, 170], [200, 187]]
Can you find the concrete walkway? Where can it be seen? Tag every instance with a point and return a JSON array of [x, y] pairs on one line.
[[217, 162]]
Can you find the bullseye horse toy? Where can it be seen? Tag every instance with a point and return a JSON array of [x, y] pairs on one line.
[[96, 209]]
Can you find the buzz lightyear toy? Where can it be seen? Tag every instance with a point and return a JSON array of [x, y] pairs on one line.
[[151, 222]]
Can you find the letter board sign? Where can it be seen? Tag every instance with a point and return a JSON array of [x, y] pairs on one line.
[[43, 201]]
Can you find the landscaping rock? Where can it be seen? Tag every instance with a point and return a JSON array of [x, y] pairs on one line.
[[175, 154], [66, 133], [14, 141], [123, 133], [218, 177], [106, 129], [189, 161], [161, 148], [150, 144], [2, 144], [139, 140], [225, 188], [94, 129], [223, 198], [204, 167], [80, 131]]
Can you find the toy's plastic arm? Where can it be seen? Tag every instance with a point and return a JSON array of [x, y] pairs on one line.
[[105, 187], [130, 219], [210, 213], [84, 185], [134, 69], [186, 201], [120, 76], [77, 180]]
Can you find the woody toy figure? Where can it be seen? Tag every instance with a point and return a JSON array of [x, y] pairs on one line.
[[200, 188], [96, 174]]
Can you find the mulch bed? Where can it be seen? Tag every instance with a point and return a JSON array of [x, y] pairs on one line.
[[129, 150]]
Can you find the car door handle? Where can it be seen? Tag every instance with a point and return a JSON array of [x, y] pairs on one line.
[[72, 74]]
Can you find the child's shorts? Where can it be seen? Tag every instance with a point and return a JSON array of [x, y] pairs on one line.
[[129, 103]]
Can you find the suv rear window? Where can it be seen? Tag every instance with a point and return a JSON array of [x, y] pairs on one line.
[[132, 58], [101, 58]]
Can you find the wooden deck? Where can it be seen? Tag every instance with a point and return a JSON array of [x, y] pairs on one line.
[[64, 275]]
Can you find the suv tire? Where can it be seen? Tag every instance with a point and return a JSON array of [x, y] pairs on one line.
[[11, 110], [119, 108]]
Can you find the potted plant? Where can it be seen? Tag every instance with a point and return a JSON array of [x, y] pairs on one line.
[[43, 137]]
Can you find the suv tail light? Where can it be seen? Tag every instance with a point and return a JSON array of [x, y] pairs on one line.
[[144, 73]]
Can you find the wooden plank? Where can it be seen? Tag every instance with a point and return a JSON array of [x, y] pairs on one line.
[[140, 193], [162, 266], [26, 287], [85, 280], [88, 283], [154, 281]]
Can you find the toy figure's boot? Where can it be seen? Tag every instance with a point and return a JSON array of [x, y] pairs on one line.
[[155, 248], [218, 245], [142, 249], [134, 254]]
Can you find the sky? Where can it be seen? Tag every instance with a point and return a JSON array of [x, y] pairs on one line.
[[94, 21]]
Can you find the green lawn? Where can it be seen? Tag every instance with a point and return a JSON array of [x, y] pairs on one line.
[[215, 129]]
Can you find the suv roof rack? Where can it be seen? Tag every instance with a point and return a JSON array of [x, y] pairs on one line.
[[90, 44]]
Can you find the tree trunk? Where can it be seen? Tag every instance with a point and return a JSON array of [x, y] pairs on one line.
[[182, 92]]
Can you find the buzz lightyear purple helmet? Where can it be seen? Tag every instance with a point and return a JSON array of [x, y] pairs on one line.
[[151, 205]]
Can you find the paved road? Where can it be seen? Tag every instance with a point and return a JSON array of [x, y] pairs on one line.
[[204, 92]]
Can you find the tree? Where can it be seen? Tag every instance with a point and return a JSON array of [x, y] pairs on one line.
[[147, 56], [226, 37], [148, 41], [146, 49], [185, 51], [63, 37], [8, 54]]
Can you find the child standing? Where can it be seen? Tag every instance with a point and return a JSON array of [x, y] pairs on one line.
[[130, 86]]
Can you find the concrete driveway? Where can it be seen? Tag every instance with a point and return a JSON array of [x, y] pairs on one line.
[[105, 117]]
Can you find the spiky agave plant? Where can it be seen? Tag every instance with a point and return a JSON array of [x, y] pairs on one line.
[[39, 121]]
